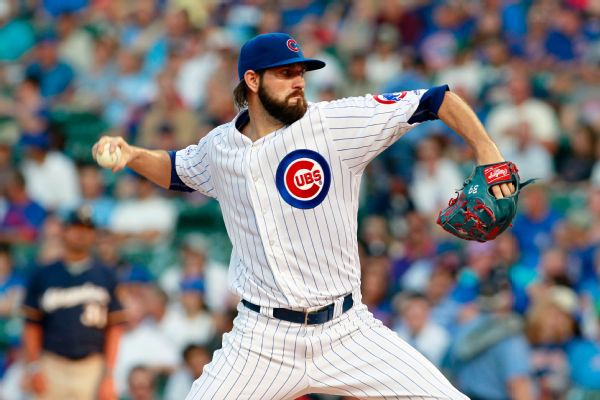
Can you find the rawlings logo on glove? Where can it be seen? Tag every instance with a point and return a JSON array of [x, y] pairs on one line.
[[475, 213], [497, 173]]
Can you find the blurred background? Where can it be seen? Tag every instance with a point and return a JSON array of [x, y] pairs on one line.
[[161, 74]]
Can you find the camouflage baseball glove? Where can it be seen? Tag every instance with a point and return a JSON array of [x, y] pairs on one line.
[[475, 213]]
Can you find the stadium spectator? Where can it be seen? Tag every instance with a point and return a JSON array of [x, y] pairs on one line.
[[142, 334], [417, 328], [23, 217], [146, 217], [167, 123], [550, 327], [196, 263], [54, 75], [131, 88], [180, 382], [490, 354], [93, 86], [141, 384], [50, 176], [534, 225], [522, 108], [93, 195], [75, 44], [435, 177], [188, 321]]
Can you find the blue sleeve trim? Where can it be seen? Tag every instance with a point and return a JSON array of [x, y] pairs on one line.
[[429, 105], [176, 183]]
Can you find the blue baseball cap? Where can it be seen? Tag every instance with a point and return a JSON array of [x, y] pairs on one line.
[[192, 285], [273, 50]]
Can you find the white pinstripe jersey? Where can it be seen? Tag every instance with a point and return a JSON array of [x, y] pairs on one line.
[[292, 220]]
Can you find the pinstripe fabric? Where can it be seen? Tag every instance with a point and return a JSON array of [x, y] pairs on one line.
[[301, 252], [285, 256], [354, 355]]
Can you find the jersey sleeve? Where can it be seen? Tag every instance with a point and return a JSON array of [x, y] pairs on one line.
[[190, 169], [362, 127]]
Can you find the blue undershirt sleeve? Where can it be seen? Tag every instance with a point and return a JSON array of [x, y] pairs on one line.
[[429, 105]]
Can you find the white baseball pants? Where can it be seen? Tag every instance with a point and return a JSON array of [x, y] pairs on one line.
[[354, 354]]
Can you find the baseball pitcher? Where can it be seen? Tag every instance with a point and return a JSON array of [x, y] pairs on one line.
[[287, 175]]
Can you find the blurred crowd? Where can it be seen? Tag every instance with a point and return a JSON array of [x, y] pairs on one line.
[[161, 73]]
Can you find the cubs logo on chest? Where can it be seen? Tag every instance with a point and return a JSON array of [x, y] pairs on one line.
[[303, 178]]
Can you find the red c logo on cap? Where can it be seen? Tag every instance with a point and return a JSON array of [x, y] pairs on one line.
[[293, 45]]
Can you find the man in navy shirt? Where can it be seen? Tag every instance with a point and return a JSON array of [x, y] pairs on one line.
[[72, 321]]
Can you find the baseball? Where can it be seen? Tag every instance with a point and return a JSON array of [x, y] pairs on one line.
[[106, 159]]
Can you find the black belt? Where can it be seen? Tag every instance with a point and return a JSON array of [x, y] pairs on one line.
[[316, 317]]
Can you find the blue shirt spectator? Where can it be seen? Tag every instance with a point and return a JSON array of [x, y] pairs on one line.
[[54, 75], [494, 359], [54, 80]]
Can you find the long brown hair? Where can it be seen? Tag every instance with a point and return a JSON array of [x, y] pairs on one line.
[[240, 93]]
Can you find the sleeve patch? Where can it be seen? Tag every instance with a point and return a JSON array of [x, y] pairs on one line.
[[389, 98]]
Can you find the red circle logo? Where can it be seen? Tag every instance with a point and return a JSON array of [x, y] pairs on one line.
[[293, 45], [304, 179], [389, 98]]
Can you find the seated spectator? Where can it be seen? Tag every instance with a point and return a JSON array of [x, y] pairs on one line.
[[534, 224], [142, 27], [24, 217], [29, 108], [418, 329], [54, 75], [575, 164], [51, 246], [418, 249], [200, 63], [358, 83], [384, 62], [167, 123], [489, 357], [481, 261], [533, 159], [142, 344], [508, 256], [141, 384], [93, 86], [50, 175], [444, 309], [553, 270], [374, 288], [94, 196], [131, 88], [196, 263], [435, 178], [551, 326], [188, 321], [522, 108], [180, 381], [146, 216], [76, 46]]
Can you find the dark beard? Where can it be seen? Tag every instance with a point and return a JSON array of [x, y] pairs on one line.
[[281, 111]]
